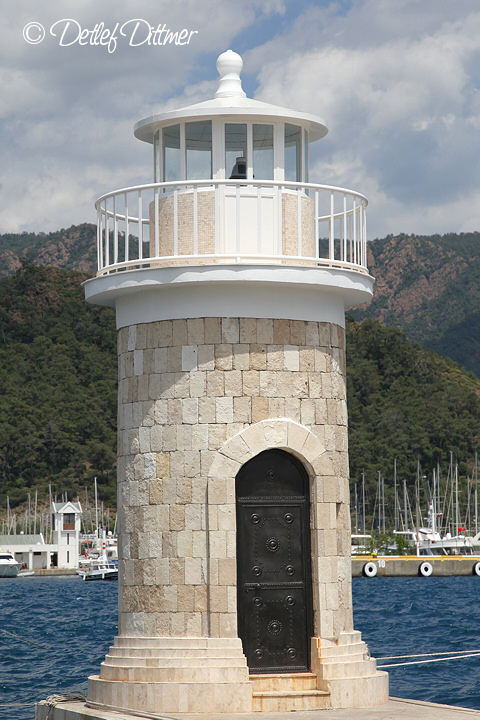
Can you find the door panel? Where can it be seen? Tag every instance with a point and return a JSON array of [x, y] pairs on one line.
[[273, 564]]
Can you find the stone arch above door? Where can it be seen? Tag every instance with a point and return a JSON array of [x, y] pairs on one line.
[[281, 433]]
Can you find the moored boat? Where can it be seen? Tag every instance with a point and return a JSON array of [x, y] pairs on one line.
[[9, 567], [100, 570]]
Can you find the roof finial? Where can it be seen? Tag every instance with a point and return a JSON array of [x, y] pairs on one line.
[[229, 66]]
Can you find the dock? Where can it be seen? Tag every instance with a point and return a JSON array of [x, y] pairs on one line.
[[394, 709], [414, 566]]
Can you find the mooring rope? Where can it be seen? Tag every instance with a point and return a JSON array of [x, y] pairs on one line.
[[53, 700], [7, 632], [452, 656], [451, 652]]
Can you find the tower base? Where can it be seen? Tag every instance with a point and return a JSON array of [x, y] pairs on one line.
[[155, 677]]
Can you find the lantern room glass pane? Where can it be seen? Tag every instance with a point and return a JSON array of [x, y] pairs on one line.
[[263, 152], [235, 147], [171, 154], [198, 144], [293, 148]]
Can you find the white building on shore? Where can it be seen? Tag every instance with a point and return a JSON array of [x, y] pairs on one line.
[[64, 550]]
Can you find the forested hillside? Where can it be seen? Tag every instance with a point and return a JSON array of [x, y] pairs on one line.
[[429, 287], [58, 394], [409, 404], [71, 249], [57, 386]]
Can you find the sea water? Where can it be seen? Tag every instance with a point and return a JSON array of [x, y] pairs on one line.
[[55, 631]]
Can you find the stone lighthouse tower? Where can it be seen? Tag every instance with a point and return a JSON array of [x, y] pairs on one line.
[[230, 275]]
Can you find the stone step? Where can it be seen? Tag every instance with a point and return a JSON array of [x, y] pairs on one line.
[[349, 638], [284, 682], [177, 643], [338, 651], [171, 697], [358, 657], [174, 674], [121, 661], [152, 652], [336, 670], [293, 701]]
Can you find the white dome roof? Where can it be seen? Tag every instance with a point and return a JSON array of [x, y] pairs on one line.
[[231, 100]]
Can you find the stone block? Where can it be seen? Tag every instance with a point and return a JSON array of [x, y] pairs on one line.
[[224, 356], [175, 359], [224, 409], [260, 409], [251, 383], [217, 544], [200, 437], [198, 384], [265, 331], [160, 360], [215, 383], [281, 332], [132, 337], [193, 571], [165, 331], [242, 409], [206, 357], [241, 356], [180, 335], [291, 357], [230, 330], [233, 383], [237, 449], [199, 543], [248, 330], [190, 410], [196, 331], [213, 331], [217, 435], [189, 358], [177, 517], [192, 463], [254, 436]]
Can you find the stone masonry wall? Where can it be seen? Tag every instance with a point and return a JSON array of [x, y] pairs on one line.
[[186, 387]]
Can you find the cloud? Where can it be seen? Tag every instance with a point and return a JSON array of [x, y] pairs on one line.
[[402, 107], [396, 80]]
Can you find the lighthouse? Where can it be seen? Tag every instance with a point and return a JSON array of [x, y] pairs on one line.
[[230, 274]]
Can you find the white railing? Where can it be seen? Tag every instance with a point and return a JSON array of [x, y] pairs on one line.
[[218, 221]]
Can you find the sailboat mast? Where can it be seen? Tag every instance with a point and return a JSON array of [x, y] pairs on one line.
[[363, 501], [456, 499], [395, 493], [476, 493], [417, 503]]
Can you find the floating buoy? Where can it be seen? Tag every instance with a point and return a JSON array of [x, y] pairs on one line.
[[476, 569], [425, 569], [369, 569]]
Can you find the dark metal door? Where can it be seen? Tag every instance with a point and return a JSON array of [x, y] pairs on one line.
[[274, 587]]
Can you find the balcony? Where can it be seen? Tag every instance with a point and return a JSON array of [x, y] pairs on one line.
[[247, 222]]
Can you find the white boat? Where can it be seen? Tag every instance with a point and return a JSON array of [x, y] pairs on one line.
[[9, 567], [99, 570], [361, 544]]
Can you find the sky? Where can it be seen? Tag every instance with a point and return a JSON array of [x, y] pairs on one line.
[[397, 82]]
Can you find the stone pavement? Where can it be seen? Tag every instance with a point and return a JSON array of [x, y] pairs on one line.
[[395, 709]]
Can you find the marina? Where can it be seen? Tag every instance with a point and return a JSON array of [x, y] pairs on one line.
[[371, 566], [41, 657]]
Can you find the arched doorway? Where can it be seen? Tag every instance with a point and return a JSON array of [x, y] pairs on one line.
[[274, 587]]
